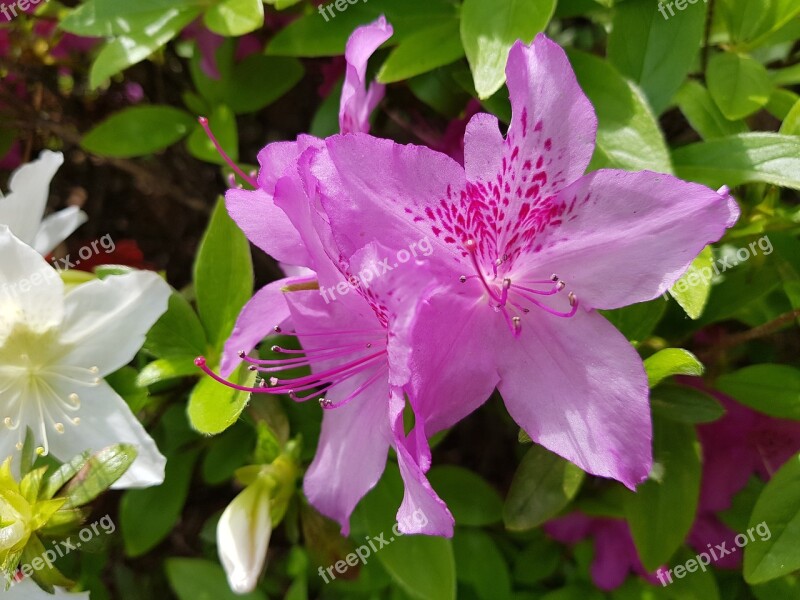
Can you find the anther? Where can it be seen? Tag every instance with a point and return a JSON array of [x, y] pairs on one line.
[[553, 277], [8, 422], [252, 368], [560, 285], [276, 349], [40, 450], [273, 381], [59, 427], [76, 421], [242, 353], [19, 445], [573, 299], [94, 370], [463, 279], [277, 329]]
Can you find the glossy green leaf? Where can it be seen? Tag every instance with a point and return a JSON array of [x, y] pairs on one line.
[[488, 30], [102, 18], [791, 124], [703, 114], [692, 290], [230, 451], [637, 321], [196, 579], [158, 507], [126, 50], [684, 404], [774, 551], [739, 85], [481, 565], [166, 369], [223, 276], [471, 499], [654, 52], [542, 486], [98, 474], [422, 52], [234, 17], [671, 361], [770, 389], [138, 131], [178, 333], [662, 510], [747, 157], [628, 135], [214, 407], [223, 124], [422, 566], [752, 20]]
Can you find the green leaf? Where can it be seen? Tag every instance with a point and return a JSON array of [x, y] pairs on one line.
[[223, 276], [129, 49], [692, 290], [654, 52], [166, 369], [671, 361], [637, 321], [235, 17], [791, 124], [422, 52], [98, 474], [703, 114], [753, 20], [196, 579], [214, 407], [422, 566], [62, 475], [104, 18], [471, 500], [739, 85], [685, 404], [774, 551], [542, 486], [480, 565], [125, 384], [228, 452], [744, 158], [662, 510], [223, 124], [439, 90], [628, 135], [159, 508], [317, 35], [178, 333], [770, 389], [137, 131], [488, 30]]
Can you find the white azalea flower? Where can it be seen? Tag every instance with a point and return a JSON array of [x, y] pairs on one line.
[[55, 350], [243, 534], [28, 590], [23, 208]]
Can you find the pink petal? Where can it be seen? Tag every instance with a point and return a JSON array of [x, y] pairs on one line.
[[483, 148], [619, 238], [552, 117], [266, 309], [578, 387], [357, 101]]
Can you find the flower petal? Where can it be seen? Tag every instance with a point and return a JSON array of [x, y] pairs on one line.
[[58, 227], [578, 388], [106, 321], [262, 313], [106, 419], [483, 148], [623, 237], [375, 189], [30, 289], [22, 209], [422, 511], [28, 590], [552, 117], [357, 102]]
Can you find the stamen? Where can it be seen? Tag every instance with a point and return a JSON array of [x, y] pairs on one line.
[[207, 128], [472, 249]]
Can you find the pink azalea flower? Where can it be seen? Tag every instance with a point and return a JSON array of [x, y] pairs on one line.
[[537, 247], [352, 344], [740, 445], [615, 555]]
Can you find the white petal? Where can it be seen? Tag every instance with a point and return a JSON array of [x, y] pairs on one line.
[[30, 290], [106, 420], [243, 534], [106, 321], [23, 208], [28, 590], [58, 227]]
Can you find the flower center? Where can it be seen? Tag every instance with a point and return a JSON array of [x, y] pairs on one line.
[[341, 356], [37, 390], [513, 298]]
